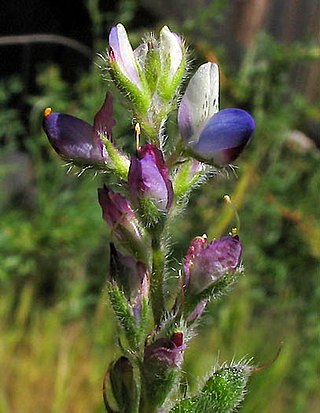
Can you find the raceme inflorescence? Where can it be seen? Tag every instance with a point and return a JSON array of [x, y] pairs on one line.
[[143, 193]]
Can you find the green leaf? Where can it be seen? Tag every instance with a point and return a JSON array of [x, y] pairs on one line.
[[222, 393], [124, 315], [120, 163]]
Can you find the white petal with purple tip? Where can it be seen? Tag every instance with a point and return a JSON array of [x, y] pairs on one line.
[[123, 53], [200, 102]]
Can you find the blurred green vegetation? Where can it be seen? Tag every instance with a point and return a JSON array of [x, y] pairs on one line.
[[55, 325]]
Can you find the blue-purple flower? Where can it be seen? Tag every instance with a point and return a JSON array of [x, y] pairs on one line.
[[76, 140], [206, 263], [149, 177], [212, 136]]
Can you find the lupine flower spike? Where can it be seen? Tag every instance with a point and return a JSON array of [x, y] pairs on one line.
[[155, 305]]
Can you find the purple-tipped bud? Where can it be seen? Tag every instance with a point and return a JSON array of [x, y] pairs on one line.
[[127, 272], [119, 215], [131, 276], [149, 177], [205, 264], [76, 140], [122, 55], [212, 136], [161, 365]]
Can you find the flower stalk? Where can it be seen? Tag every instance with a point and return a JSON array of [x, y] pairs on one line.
[[144, 192]]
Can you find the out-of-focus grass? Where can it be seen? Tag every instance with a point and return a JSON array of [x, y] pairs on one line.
[[53, 364], [234, 331], [49, 363]]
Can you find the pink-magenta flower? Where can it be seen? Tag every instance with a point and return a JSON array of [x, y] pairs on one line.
[[206, 263], [166, 352]]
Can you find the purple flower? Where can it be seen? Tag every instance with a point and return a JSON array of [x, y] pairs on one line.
[[205, 264], [166, 352], [197, 312], [149, 177], [117, 212], [211, 135], [131, 276], [76, 140]]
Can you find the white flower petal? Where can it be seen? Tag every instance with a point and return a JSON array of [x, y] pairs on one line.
[[170, 46], [200, 102]]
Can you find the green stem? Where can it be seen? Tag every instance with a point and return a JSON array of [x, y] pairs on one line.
[[158, 268], [175, 155]]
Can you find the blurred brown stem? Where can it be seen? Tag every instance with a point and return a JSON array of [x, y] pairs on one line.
[[46, 38]]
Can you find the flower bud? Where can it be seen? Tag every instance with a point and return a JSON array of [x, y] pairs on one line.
[[148, 178], [197, 312], [119, 215], [123, 384], [171, 50], [188, 176], [162, 362], [167, 353], [212, 136], [76, 140], [131, 276], [126, 69], [173, 63], [205, 264], [122, 56]]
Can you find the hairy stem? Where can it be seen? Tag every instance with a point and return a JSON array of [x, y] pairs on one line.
[[158, 268]]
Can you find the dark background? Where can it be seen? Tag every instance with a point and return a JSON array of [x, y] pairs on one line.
[[287, 21]]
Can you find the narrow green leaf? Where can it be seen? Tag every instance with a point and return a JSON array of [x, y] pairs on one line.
[[124, 315]]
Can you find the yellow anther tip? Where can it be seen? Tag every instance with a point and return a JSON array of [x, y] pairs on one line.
[[47, 112], [234, 231], [137, 128]]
